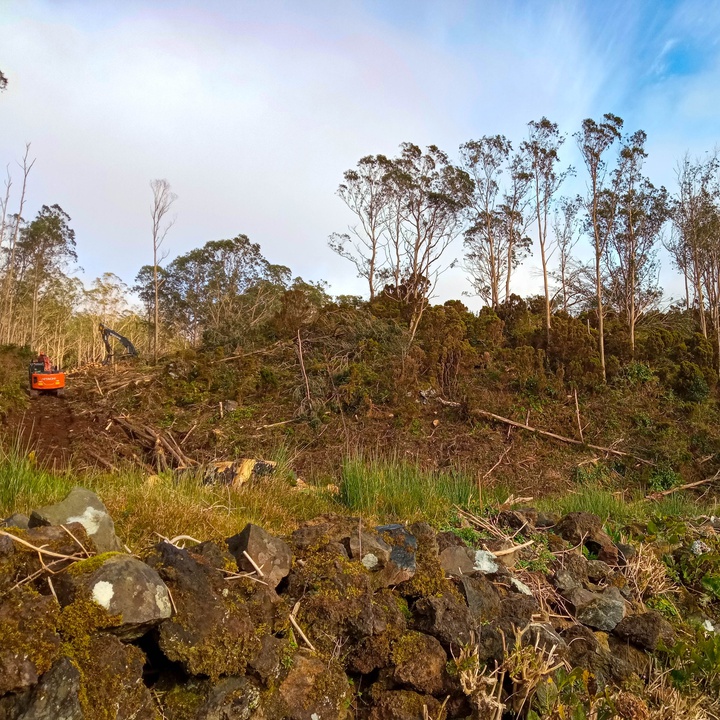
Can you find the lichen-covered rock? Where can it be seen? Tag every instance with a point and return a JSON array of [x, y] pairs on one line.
[[646, 631], [402, 564], [233, 698], [29, 643], [84, 507], [315, 689], [16, 520], [269, 553], [581, 528], [22, 560], [446, 618], [482, 598], [212, 633], [404, 705], [602, 611], [420, 663], [56, 697], [124, 586]]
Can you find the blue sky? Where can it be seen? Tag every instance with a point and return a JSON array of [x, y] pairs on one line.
[[253, 110]]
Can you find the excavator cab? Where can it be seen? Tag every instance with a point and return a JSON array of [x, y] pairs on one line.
[[45, 378]]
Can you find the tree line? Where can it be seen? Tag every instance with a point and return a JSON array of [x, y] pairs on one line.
[[409, 210], [498, 194]]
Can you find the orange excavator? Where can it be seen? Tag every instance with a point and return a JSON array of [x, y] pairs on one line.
[[45, 378]]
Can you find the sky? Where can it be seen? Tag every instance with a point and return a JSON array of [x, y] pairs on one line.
[[253, 110]]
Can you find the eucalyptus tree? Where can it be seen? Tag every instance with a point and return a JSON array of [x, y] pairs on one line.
[[9, 249], [594, 140], [428, 196], [541, 149], [567, 232], [163, 200], [693, 209], [495, 240], [44, 249], [365, 193], [637, 214]]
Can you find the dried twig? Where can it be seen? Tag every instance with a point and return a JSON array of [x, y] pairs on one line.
[[579, 422], [687, 486], [560, 438], [298, 628], [42, 550], [258, 570]]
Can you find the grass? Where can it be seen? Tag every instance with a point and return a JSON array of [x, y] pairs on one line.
[[400, 490], [144, 508]]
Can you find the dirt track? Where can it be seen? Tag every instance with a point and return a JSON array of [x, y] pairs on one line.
[[47, 427]]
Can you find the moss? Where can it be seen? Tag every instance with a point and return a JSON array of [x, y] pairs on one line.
[[183, 701], [82, 618], [28, 628], [429, 578], [91, 564], [409, 645]]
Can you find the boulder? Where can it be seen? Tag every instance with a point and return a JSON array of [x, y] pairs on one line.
[[601, 611], [124, 586], [446, 618], [646, 631], [457, 560], [419, 663], [232, 697], [29, 644], [404, 705], [372, 551], [211, 633], [56, 697], [482, 598], [84, 507], [16, 520], [269, 553], [401, 565], [315, 689], [586, 529], [20, 560]]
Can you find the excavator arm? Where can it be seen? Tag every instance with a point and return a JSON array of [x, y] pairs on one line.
[[107, 333]]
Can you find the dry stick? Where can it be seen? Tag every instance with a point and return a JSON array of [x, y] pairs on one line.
[[561, 438], [298, 628], [76, 540], [500, 459], [42, 550], [302, 367], [277, 424], [254, 564], [500, 553], [577, 412], [658, 495]]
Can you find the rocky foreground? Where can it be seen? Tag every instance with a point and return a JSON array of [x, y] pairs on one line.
[[340, 620]]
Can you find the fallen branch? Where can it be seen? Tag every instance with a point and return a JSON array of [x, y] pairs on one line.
[[298, 628], [560, 438], [42, 550], [258, 569], [687, 486], [509, 551], [277, 424]]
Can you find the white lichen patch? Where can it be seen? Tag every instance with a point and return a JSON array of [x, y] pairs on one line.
[[485, 562], [521, 586], [162, 600], [90, 519], [370, 561], [102, 593]]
